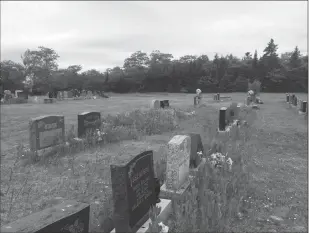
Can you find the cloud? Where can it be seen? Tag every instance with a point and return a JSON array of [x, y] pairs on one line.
[[102, 34]]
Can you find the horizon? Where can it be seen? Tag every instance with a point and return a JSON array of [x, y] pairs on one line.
[[119, 29]]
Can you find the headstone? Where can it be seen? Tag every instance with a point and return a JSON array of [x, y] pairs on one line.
[[195, 100], [70, 94], [218, 96], [164, 103], [48, 101], [178, 162], [155, 104], [22, 95], [133, 188], [69, 216], [215, 97], [222, 114], [295, 101], [248, 100], [196, 146], [287, 98], [65, 94], [88, 121], [46, 131], [304, 106]]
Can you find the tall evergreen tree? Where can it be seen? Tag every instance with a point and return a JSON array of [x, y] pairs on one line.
[[295, 60]]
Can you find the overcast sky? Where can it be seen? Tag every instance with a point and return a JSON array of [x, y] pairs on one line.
[[100, 35]]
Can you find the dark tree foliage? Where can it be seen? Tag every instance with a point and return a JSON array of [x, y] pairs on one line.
[[160, 72]]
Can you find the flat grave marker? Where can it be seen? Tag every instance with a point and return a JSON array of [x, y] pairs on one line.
[[69, 216]]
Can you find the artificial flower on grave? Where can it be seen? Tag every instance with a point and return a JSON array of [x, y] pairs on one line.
[[217, 160]]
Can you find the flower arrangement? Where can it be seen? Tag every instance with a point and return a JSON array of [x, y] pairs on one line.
[[217, 160]]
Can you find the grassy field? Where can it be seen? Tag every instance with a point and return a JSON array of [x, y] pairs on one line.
[[278, 148]]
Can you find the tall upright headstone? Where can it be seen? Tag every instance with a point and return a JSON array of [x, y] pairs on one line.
[[155, 104], [46, 131], [287, 97], [304, 106], [178, 162], [196, 146], [133, 187], [87, 122], [222, 114]]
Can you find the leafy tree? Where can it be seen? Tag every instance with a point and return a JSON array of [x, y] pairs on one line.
[[138, 59], [295, 60]]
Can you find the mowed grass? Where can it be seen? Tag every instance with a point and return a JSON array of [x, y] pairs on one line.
[[278, 148]]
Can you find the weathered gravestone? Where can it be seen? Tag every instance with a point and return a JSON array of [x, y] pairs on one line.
[[70, 94], [88, 122], [65, 94], [155, 104], [178, 161], [133, 188], [164, 103], [46, 131], [196, 146], [69, 216]]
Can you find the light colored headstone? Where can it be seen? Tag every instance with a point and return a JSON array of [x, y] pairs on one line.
[[65, 94], [178, 161], [155, 104]]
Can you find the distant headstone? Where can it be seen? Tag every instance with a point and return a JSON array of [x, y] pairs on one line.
[[70, 94], [133, 187], [287, 97], [65, 94], [218, 96], [46, 131], [222, 114], [69, 216], [164, 103], [295, 101], [155, 104], [22, 94], [248, 100], [196, 146], [178, 161], [88, 121], [304, 106]]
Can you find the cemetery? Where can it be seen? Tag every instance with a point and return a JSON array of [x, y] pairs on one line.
[[120, 172]]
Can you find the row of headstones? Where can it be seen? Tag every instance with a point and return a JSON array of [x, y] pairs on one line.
[[48, 131], [135, 190], [294, 101], [156, 104]]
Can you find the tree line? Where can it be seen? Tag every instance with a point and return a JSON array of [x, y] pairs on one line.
[[160, 72]]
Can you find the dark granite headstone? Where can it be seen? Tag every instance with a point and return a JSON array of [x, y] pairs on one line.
[[46, 131], [222, 114], [69, 216], [287, 98], [196, 146], [164, 104], [295, 101], [133, 187], [87, 122], [218, 96], [304, 106]]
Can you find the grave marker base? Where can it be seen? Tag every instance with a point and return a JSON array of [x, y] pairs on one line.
[[171, 194], [166, 209]]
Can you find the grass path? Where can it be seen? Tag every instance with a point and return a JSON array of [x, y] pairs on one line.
[[280, 181]]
